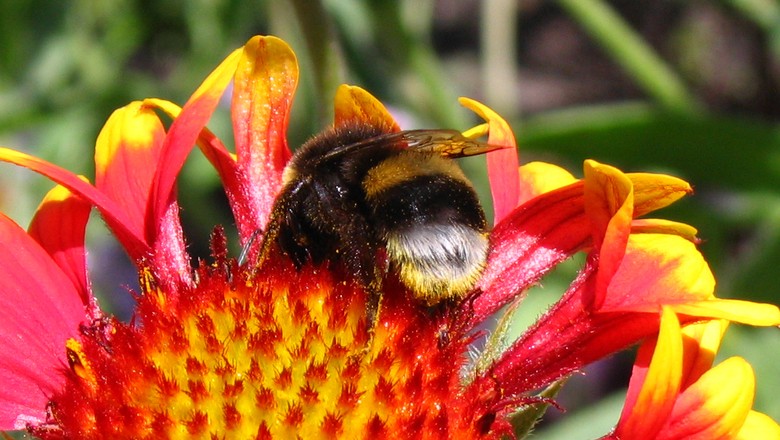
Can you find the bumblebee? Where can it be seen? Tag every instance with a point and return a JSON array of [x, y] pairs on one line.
[[380, 202]]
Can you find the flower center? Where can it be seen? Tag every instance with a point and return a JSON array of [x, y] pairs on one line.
[[278, 354]]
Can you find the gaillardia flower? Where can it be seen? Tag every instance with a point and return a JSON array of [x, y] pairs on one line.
[[232, 349], [676, 393]]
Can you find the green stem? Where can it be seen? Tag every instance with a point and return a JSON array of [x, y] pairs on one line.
[[322, 50], [408, 45], [765, 14], [633, 54], [498, 36]]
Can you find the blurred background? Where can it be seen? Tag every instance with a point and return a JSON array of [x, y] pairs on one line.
[[689, 88]]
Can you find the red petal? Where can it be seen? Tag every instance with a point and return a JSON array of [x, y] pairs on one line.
[[222, 160], [58, 226], [264, 84], [41, 310], [182, 135], [569, 336], [502, 164], [528, 243], [115, 217]]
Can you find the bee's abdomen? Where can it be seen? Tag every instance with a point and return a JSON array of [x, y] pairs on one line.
[[431, 222]]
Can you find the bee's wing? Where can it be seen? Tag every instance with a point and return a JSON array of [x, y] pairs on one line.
[[448, 143]]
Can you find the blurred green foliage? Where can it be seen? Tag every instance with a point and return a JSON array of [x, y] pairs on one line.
[[651, 87]]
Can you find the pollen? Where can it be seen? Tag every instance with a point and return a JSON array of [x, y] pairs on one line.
[[281, 353]]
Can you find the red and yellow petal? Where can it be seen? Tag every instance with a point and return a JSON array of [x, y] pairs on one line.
[[701, 341], [354, 104], [655, 382], [679, 395], [126, 158], [127, 161], [59, 226], [502, 164], [662, 269], [609, 204], [596, 211], [658, 269], [264, 84], [223, 161], [162, 225], [715, 406]]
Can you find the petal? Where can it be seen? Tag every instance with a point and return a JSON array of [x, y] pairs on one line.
[[181, 137], [126, 157], [759, 425], [565, 338], [656, 376], [264, 85], [115, 217], [656, 191], [701, 340], [209, 144], [170, 260], [660, 226], [609, 204], [353, 104], [659, 269], [502, 164], [529, 243], [540, 177], [163, 228], [58, 226], [745, 312], [41, 310], [716, 406], [548, 229], [222, 160]]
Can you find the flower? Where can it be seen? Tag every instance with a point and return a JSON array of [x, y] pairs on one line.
[[238, 350], [676, 393]]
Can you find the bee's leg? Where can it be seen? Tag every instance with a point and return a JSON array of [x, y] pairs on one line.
[[282, 228], [373, 303], [244, 255], [361, 262], [358, 249]]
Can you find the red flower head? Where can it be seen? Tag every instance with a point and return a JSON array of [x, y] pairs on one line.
[[302, 342]]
